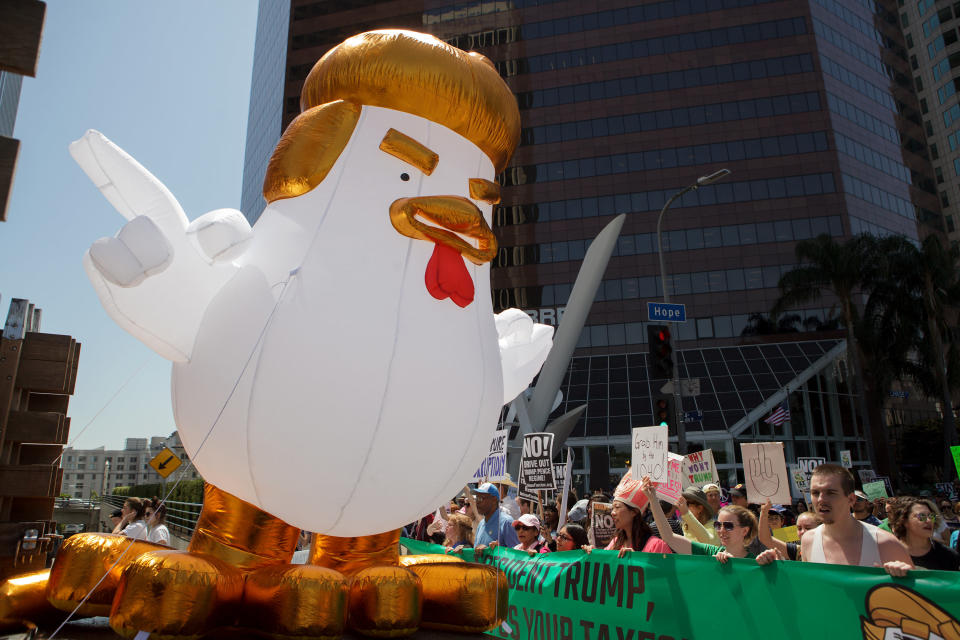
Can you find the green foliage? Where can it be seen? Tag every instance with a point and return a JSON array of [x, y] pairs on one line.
[[186, 491]]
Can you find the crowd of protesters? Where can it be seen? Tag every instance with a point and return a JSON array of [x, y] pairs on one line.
[[841, 525]]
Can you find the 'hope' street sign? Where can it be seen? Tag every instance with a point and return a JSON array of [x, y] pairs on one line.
[[666, 311]]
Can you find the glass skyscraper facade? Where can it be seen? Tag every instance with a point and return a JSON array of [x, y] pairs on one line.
[[266, 101], [809, 103]]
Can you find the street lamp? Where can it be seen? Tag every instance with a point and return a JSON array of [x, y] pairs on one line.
[[678, 409]]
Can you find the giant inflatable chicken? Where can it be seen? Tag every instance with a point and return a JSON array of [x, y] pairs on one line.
[[336, 368]]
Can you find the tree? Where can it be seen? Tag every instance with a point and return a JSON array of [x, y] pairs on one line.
[[847, 271], [925, 288]]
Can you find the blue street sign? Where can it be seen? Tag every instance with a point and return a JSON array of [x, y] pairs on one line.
[[693, 416], [666, 312]]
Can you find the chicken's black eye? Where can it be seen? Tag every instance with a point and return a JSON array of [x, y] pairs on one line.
[[404, 176]]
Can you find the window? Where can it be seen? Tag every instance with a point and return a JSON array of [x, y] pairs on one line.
[[944, 200]]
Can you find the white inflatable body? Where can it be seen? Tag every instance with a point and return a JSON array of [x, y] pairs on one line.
[[314, 374]]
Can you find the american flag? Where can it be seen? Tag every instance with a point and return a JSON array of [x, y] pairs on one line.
[[780, 415]]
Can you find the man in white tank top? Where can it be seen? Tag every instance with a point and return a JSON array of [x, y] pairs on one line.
[[842, 539]]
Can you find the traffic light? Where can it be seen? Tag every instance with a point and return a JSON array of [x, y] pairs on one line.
[[661, 411], [661, 351]]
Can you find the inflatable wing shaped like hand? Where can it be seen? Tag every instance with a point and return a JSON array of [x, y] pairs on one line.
[[524, 347], [157, 275]]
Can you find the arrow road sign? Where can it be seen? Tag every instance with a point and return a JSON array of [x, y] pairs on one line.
[[666, 312], [165, 462]]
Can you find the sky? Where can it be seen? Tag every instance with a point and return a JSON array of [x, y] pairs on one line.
[[169, 82]]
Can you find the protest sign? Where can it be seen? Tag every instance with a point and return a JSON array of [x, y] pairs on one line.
[[565, 483], [699, 469], [494, 466], [947, 489], [649, 456], [866, 475], [799, 478], [845, 460], [956, 458], [646, 596], [766, 472], [876, 489], [673, 487], [536, 465], [886, 483], [787, 534], [807, 465], [601, 524]]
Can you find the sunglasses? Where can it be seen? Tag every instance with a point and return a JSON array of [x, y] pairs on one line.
[[924, 517], [727, 526], [520, 526]]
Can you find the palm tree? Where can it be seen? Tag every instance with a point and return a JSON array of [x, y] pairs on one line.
[[848, 272], [926, 286]]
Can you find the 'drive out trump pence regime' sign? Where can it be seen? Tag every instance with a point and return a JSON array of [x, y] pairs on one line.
[[536, 467]]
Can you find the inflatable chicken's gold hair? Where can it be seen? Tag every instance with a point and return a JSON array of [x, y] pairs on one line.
[[411, 72]]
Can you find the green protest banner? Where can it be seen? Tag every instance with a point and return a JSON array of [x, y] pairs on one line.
[[956, 458], [646, 596]]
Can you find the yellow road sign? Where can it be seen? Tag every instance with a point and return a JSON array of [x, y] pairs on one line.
[[165, 462]]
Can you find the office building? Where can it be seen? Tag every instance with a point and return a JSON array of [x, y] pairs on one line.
[[810, 105], [99, 471], [266, 101], [930, 35]]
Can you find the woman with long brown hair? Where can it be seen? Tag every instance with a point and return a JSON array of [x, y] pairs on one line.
[[913, 523]]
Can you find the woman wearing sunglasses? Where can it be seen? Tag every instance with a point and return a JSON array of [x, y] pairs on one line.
[[914, 523], [571, 537], [736, 527], [528, 532]]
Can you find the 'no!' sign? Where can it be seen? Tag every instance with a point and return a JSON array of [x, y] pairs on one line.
[[536, 466]]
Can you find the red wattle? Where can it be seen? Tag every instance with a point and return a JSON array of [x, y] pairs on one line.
[[447, 276]]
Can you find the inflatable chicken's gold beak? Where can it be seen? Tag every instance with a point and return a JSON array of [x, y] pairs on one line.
[[453, 215]]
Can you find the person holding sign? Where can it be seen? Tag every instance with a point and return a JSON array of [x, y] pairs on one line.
[[697, 517], [735, 526], [806, 521], [632, 531], [842, 539]]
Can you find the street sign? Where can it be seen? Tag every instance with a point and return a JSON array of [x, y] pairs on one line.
[[690, 387], [165, 462], [666, 312], [693, 416]]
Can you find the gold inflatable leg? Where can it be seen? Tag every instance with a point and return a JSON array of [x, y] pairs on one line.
[[464, 597], [295, 601], [23, 602], [87, 559], [385, 599], [172, 593]]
